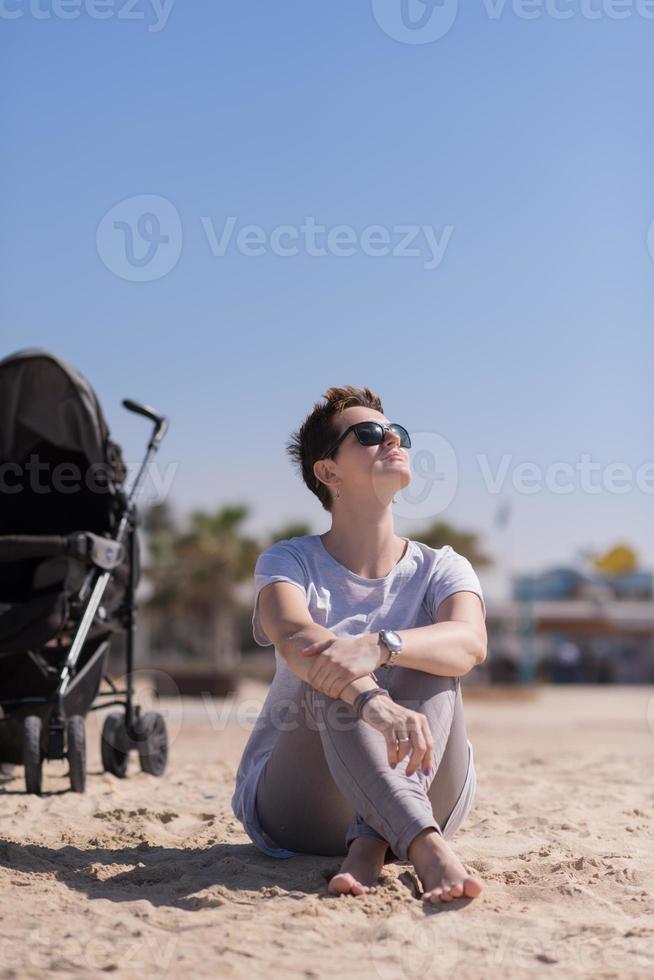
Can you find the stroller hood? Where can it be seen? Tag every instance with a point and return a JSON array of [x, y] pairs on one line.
[[44, 398]]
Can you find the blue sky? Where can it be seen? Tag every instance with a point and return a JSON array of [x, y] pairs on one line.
[[524, 147]]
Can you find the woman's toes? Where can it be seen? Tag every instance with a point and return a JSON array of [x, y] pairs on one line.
[[339, 883], [456, 891], [344, 883], [433, 896], [472, 887]]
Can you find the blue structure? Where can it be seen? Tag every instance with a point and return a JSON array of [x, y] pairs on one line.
[[567, 583]]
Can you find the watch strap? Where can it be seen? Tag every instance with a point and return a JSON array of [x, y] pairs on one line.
[[392, 654]]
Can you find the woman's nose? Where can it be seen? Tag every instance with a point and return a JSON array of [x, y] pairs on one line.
[[391, 437]]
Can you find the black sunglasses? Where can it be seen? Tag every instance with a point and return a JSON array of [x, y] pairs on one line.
[[372, 434]]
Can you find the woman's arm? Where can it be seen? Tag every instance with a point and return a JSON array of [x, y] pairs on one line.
[[450, 647], [286, 620]]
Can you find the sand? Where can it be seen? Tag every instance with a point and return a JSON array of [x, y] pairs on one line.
[[155, 877]]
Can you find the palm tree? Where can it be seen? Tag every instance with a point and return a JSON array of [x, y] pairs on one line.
[[466, 543], [194, 572], [294, 529]]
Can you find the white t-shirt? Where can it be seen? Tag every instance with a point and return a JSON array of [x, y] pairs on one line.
[[349, 605]]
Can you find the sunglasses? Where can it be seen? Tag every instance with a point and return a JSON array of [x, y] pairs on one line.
[[372, 434]]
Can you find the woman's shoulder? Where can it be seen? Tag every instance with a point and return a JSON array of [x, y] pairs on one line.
[[299, 542], [435, 553], [439, 558], [297, 546]]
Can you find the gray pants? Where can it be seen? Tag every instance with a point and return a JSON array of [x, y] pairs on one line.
[[328, 779]]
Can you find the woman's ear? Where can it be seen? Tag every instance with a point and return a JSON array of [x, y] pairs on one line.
[[321, 472]]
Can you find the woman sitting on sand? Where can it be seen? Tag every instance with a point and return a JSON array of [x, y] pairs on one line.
[[351, 754]]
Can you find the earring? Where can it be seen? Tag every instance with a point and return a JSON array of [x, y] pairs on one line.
[[338, 492]]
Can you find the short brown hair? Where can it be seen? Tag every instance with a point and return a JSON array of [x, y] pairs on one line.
[[316, 434]]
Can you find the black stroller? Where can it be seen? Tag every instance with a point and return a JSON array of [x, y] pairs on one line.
[[68, 573]]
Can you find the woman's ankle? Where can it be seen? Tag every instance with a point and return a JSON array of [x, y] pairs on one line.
[[428, 839], [369, 844]]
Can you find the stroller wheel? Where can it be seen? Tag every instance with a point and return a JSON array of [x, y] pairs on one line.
[[32, 753], [153, 746], [113, 759], [76, 741]]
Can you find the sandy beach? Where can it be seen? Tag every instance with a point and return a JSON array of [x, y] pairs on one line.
[[155, 877]]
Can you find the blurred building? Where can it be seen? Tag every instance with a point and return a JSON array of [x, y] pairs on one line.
[[568, 626]]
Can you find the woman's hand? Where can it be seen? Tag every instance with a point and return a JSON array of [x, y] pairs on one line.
[[395, 721], [340, 660]]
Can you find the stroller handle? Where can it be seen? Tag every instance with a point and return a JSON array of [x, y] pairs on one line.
[[160, 421]]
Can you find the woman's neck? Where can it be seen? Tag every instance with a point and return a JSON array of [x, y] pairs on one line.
[[368, 547]]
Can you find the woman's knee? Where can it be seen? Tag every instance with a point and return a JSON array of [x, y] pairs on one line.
[[413, 688]]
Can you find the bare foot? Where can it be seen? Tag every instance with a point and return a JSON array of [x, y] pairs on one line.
[[361, 868], [442, 875]]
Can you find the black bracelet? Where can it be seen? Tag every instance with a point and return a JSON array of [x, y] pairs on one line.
[[363, 698]]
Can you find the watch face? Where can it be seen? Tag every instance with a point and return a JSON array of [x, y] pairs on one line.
[[393, 639]]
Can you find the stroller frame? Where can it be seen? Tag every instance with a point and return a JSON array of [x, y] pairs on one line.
[[126, 529], [76, 689]]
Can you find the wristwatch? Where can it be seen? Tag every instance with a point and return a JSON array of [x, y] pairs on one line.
[[394, 643]]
